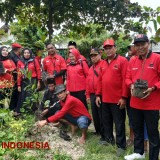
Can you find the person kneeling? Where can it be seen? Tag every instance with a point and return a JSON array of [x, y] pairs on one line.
[[73, 111]]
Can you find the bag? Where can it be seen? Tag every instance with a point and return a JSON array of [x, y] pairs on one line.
[[139, 87]]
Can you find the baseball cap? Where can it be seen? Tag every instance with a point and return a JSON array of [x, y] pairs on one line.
[[108, 42], [16, 45], [94, 51], [59, 88], [50, 80], [141, 38], [72, 43]]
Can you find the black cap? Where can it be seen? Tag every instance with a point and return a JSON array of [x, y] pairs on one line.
[[72, 43], [94, 51], [51, 81], [141, 38], [59, 88]]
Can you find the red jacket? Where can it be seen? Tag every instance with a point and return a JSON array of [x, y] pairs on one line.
[[151, 73], [6, 79], [92, 79], [72, 106], [76, 77], [57, 63], [77, 73], [33, 66], [111, 82]]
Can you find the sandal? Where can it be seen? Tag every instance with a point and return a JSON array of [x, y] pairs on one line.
[[64, 135]]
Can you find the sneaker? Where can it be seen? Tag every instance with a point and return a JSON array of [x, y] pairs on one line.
[[134, 156], [120, 152]]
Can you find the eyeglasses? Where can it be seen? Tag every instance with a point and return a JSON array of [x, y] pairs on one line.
[[93, 55]]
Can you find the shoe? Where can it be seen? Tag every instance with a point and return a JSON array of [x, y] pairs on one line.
[[102, 141], [120, 152], [64, 135], [134, 156]]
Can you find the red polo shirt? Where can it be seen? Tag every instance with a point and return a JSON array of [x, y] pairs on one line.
[[72, 106], [151, 73], [111, 82], [92, 78], [57, 63]]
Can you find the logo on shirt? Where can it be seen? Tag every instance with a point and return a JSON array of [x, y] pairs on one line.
[[151, 65], [134, 68], [115, 66]]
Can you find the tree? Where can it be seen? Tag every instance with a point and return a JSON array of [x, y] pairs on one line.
[[93, 35], [66, 13]]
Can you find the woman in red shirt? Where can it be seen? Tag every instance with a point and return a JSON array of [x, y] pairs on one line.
[[25, 65], [6, 77], [77, 72]]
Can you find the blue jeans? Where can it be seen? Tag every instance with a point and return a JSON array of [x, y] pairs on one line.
[[82, 122]]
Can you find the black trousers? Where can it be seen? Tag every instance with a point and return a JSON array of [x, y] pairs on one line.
[[129, 112], [24, 94], [81, 96], [151, 118], [96, 114], [14, 98], [111, 113]]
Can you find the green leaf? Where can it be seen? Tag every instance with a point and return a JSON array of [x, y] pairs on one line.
[[2, 134], [158, 32], [154, 23], [158, 19]]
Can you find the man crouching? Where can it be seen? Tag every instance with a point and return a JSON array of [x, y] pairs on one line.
[[73, 111]]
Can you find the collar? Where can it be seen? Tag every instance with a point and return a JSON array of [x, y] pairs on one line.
[[55, 56], [148, 55], [115, 57], [97, 63]]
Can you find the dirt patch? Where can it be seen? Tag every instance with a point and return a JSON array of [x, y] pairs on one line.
[[50, 134]]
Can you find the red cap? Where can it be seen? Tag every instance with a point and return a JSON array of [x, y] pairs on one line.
[[16, 45], [108, 42]]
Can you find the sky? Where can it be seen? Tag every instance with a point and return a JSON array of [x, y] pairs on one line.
[[149, 3]]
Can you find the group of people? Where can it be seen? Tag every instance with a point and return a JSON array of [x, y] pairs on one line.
[[15, 66], [108, 86]]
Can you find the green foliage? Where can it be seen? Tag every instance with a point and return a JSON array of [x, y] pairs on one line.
[[48, 14], [2, 33], [61, 157], [92, 35], [12, 131], [29, 36]]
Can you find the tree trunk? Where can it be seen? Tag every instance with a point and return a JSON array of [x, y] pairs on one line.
[[50, 20]]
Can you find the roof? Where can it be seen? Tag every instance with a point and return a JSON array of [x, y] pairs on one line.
[[5, 27]]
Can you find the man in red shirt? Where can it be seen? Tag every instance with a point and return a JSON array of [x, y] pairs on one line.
[[144, 67], [91, 86], [54, 64], [111, 87], [73, 110]]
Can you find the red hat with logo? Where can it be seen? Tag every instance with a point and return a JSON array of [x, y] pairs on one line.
[[16, 45], [108, 42]]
